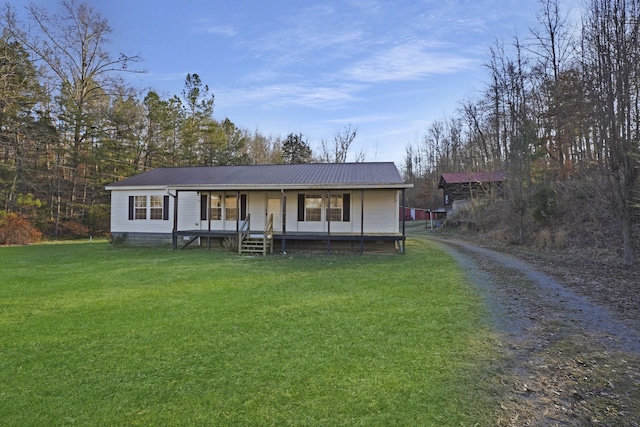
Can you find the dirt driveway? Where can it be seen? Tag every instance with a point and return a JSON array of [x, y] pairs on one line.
[[569, 359]]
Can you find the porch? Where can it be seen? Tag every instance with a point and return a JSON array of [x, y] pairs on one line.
[[280, 241]]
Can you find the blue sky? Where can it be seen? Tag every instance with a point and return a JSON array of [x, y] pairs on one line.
[[389, 68]]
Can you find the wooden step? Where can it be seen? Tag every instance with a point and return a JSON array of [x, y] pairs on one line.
[[254, 245]]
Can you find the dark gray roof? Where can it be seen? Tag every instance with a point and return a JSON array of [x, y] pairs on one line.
[[271, 176]]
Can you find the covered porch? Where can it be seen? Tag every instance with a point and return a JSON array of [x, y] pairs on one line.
[[271, 230]]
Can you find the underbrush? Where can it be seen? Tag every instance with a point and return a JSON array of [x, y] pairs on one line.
[[576, 215]]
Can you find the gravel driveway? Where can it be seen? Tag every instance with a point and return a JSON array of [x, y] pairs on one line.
[[569, 361]]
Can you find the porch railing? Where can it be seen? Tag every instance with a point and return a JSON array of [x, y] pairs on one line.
[[268, 234], [243, 232]]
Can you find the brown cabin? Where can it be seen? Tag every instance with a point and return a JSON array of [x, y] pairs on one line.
[[465, 186]]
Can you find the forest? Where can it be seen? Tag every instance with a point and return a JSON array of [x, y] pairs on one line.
[[559, 113]]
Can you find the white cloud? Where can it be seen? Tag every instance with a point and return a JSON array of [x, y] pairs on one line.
[[210, 27], [409, 61], [287, 95]]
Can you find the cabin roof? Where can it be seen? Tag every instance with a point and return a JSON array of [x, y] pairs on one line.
[[473, 177], [310, 175]]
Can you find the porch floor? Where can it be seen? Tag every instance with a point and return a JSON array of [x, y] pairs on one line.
[[295, 235], [298, 236]]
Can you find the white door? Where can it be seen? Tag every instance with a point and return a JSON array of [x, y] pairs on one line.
[[274, 206]]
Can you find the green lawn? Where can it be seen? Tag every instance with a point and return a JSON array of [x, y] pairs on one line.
[[96, 335]]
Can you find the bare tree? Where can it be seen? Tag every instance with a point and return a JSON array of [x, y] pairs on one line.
[[72, 45], [342, 141], [553, 48], [612, 58]]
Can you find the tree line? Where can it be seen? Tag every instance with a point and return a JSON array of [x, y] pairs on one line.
[[69, 123], [560, 110]]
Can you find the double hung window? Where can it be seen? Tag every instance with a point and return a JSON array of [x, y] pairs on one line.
[[140, 207], [334, 212], [156, 209], [313, 207], [336, 207], [231, 207], [148, 207], [215, 208]]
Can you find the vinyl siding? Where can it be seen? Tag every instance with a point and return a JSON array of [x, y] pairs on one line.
[[120, 222], [380, 216]]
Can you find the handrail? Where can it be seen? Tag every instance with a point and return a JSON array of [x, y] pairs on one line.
[[243, 232], [268, 231], [268, 234]]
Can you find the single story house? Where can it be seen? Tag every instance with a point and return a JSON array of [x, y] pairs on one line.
[[254, 208], [462, 187]]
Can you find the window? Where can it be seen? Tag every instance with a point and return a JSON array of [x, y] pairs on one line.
[[157, 210], [313, 207], [215, 209], [140, 207], [335, 208], [231, 207], [158, 207]]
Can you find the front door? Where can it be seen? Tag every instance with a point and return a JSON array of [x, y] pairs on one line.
[[274, 206]]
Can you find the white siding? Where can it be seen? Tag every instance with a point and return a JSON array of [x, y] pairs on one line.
[[188, 211], [120, 222], [380, 213]]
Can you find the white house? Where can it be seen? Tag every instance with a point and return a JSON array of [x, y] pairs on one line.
[[340, 205]]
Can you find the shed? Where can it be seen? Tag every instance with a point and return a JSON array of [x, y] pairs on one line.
[[465, 186]]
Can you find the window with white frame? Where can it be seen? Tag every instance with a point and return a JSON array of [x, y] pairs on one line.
[[149, 207], [313, 207], [335, 208], [230, 207], [215, 208], [156, 207], [140, 207]]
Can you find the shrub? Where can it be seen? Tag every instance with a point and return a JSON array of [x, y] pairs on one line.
[[562, 236], [71, 229], [543, 203], [17, 230], [543, 238]]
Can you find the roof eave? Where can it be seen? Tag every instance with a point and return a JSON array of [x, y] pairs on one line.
[[270, 187]]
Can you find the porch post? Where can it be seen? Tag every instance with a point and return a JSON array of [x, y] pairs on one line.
[[284, 223], [208, 215], [328, 214], [238, 212], [402, 250], [361, 221], [175, 222]]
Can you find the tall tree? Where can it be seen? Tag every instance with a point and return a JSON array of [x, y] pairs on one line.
[[553, 49], [612, 61], [198, 121], [295, 149], [20, 91], [342, 141], [73, 47]]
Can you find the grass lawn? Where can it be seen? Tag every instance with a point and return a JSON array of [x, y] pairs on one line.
[[96, 335]]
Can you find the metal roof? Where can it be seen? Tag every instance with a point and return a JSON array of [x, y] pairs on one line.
[[475, 177], [312, 175]]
